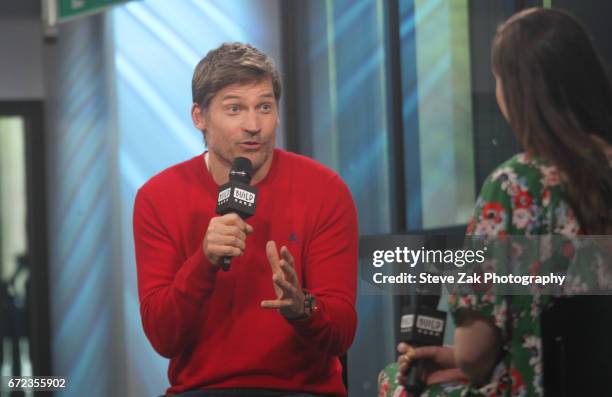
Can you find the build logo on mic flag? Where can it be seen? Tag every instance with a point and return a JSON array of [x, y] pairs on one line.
[[223, 196], [244, 196]]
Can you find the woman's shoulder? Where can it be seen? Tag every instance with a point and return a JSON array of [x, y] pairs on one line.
[[526, 194], [524, 172], [526, 164]]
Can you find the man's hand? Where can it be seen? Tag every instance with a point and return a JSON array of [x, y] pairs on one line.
[[439, 362], [290, 298], [226, 236]]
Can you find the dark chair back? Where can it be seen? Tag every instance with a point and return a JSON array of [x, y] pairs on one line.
[[577, 347], [344, 362]]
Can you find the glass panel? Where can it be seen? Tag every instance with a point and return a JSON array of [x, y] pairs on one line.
[[437, 103], [348, 102], [347, 110], [14, 264]]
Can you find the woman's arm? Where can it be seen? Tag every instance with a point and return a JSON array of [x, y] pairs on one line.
[[477, 346]]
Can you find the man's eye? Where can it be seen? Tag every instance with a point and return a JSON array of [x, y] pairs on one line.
[[233, 108], [266, 107]]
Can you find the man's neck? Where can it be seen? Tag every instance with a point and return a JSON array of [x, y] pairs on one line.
[[219, 170]]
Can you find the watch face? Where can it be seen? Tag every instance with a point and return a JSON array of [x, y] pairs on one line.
[[310, 304]]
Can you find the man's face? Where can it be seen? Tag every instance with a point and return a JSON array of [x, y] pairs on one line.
[[241, 121]]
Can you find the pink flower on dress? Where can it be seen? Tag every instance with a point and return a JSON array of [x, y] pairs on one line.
[[384, 388], [550, 176], [568, 226], [501, 313], [466, 301], [514, 190], [521, 218]]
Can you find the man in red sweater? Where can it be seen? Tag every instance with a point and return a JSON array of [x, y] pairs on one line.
[[276, 322]]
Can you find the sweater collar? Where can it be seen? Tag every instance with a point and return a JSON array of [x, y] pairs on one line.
[[208, 180]]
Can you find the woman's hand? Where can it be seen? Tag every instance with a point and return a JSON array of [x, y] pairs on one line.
[[439, 363]]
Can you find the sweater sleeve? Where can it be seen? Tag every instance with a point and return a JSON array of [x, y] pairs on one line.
[[331, 273], [171, 290]]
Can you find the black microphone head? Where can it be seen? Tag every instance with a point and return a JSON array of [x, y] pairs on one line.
[[241, 170], [237, 195], [427, 295]]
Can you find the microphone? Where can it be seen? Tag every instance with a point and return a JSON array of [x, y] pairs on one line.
[[422, 324], [237, 196]]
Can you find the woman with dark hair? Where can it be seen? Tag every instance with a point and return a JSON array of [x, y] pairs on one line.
[[553, 89]]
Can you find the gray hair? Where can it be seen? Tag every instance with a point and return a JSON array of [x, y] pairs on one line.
[[229, 64]]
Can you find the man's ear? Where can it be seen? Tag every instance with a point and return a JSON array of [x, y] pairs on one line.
[[197, 117]]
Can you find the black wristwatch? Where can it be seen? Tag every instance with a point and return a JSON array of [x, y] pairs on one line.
[[310, 304], [310, 307]]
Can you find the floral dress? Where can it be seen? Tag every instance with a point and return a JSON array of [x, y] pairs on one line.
[[522, 197]]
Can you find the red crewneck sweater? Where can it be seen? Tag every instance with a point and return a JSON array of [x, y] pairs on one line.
[[209, 323]]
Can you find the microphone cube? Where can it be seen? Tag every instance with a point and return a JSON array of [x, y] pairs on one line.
[[237, 197], [422, 326]]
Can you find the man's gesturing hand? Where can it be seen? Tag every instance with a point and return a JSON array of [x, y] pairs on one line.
[[289, 296], [226, 236]]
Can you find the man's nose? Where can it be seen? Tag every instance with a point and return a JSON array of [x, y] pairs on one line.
[[251, 122]]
